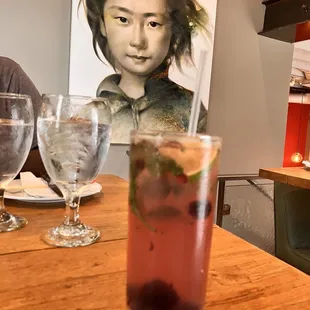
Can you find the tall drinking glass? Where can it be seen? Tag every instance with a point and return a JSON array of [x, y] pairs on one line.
[[173, 181], [74, 137], [16, 134]]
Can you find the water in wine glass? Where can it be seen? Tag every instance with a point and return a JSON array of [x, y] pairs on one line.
[[73, 150], [16, 137], [16, 132], [74, 137]]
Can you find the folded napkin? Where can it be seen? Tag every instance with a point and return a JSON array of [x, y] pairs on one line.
[[34, 186]]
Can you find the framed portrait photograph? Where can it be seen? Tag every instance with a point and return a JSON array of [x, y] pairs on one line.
[[142, 58]]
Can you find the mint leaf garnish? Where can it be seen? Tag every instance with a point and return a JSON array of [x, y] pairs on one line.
[[134, 172], [159, 165], [145, 155]]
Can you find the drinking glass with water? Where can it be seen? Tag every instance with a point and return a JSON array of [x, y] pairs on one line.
[[74, 138], [16, 134]]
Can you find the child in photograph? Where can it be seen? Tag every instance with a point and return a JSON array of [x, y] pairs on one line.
[[141, 39]]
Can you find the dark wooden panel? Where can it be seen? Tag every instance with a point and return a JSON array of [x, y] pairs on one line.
[[282, 16], [285, 34], [267, 2], [286, 12]]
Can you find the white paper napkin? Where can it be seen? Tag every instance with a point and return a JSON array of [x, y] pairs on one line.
[[38, 187]]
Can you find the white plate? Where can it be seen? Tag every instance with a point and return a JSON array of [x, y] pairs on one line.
[[92, 189], [306, 163]]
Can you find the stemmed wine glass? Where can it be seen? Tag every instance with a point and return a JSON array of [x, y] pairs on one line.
[[74, 137], [16, 134]]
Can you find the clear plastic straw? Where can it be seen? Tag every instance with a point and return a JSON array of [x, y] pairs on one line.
[[193, 121]]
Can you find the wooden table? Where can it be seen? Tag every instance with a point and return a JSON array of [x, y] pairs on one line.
[[295, 176], [36, 276]]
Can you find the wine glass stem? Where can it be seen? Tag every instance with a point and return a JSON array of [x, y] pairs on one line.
[[72, 216], [2, 207]]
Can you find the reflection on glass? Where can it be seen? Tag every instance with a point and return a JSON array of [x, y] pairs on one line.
[[16, 134]]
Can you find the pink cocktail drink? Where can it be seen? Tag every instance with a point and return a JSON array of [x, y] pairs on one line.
[[173, 180]]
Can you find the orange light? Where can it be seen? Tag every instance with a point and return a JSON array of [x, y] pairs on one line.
[[302, 32], [296, 158]]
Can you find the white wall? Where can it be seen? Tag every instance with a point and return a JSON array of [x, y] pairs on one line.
[[248, 108], [299, 98], [305, 45], [249, 89], [36, 34], [301, 60]]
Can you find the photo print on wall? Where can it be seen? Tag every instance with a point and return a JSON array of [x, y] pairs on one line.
[[150, 51]]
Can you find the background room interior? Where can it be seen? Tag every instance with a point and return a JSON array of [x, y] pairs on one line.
[[219, 221], [247, 89]]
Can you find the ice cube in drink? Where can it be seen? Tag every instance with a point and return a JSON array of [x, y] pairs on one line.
[[72, 150], [173, 180]]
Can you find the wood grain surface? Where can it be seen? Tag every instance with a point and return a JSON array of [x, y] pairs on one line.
[[295, 176], [36, 276], [106, 211]]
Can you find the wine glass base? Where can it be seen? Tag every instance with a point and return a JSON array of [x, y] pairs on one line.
[[10, 222], [71, 236]]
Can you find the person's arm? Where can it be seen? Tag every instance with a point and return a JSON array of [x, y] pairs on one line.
[[34, 163], [22, 84]]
